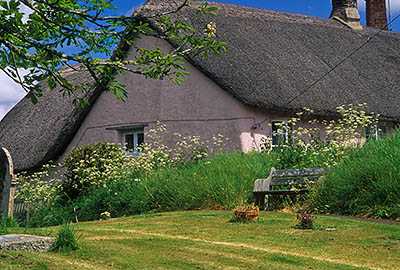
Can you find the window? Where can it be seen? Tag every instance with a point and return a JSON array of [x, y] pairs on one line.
[[281, 132], [378, 132], [132, 139]]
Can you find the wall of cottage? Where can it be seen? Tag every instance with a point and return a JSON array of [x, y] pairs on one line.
[[197, 108]]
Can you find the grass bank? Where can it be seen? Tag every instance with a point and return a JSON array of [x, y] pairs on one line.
[[366, 183], [207, 240], [221, 182]]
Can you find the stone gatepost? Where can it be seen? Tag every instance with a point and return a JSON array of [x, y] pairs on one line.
[[7, 183]]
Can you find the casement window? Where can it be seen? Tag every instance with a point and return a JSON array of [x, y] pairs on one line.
[[377, 132], [282, 133], [131, 137], [131, 140]]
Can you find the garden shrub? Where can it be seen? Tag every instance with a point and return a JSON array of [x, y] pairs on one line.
[[89, 166], [102, 178], [367, 183]]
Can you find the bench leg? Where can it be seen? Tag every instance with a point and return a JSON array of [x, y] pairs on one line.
[[260, 201]]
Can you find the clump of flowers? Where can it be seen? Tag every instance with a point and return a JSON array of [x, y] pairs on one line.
[[305, 220], [39, 189], [210, 30], [320, 143], [156, 152], [245, 212], [105, 215], [91, 165]]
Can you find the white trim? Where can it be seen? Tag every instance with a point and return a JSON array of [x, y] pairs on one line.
[[134, 134], [272, 131], [376, 132]]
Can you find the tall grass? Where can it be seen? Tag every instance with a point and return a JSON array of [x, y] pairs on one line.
[[66, 239], [220, 182], [367, 183]]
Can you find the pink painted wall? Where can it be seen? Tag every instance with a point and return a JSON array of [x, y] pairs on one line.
[[198, 107]]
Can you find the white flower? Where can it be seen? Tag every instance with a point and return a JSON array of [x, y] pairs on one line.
[[211, 29]]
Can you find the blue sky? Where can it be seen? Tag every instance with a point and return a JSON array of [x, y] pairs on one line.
[[10, 93], [318, 8]]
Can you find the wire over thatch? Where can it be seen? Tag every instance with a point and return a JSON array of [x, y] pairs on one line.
[[271, 57]]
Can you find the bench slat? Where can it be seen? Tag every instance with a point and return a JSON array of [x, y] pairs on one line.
[[299, 172], [263, 187], [293, 180], [282, 192]]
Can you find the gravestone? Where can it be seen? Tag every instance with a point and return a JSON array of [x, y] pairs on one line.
[[7, 183]]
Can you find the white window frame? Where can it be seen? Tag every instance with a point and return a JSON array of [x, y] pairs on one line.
[[135, 133], [376, 135], [286, 134]]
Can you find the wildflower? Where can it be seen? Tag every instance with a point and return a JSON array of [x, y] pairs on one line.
[[211, 30], [105, 215]]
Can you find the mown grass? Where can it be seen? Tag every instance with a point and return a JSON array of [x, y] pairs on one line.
[[207, 240]]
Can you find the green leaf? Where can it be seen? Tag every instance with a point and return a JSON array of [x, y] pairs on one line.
[[51, 83]]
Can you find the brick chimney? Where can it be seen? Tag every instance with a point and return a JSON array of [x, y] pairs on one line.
[[376, 13], [346, 12]]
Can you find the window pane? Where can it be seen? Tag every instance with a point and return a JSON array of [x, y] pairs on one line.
[[382, 131], [279, 133], [140, 139], [370, 132], [129, 142]]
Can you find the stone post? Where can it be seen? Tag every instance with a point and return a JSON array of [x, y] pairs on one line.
[[7, 183]]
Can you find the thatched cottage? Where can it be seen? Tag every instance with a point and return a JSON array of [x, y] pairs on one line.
[[276, 63]]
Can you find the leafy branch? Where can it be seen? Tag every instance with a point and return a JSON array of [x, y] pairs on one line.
[[69, 33]]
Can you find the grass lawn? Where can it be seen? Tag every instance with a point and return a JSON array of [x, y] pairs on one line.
[[207, 240]]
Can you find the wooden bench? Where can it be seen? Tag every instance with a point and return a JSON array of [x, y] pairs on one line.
[[290, 178]]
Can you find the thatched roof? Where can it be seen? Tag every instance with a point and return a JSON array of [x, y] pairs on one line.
[[271, 57], [35, 134]]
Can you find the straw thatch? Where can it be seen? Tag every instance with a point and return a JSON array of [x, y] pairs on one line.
[[271, 58], [35, 134]]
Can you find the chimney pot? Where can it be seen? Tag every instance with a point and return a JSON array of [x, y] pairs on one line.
[[346, 12]]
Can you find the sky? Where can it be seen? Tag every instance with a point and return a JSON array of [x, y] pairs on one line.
[[11, 93]]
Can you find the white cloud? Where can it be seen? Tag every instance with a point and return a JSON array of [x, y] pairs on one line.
[[394, 5], [10, 94]]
